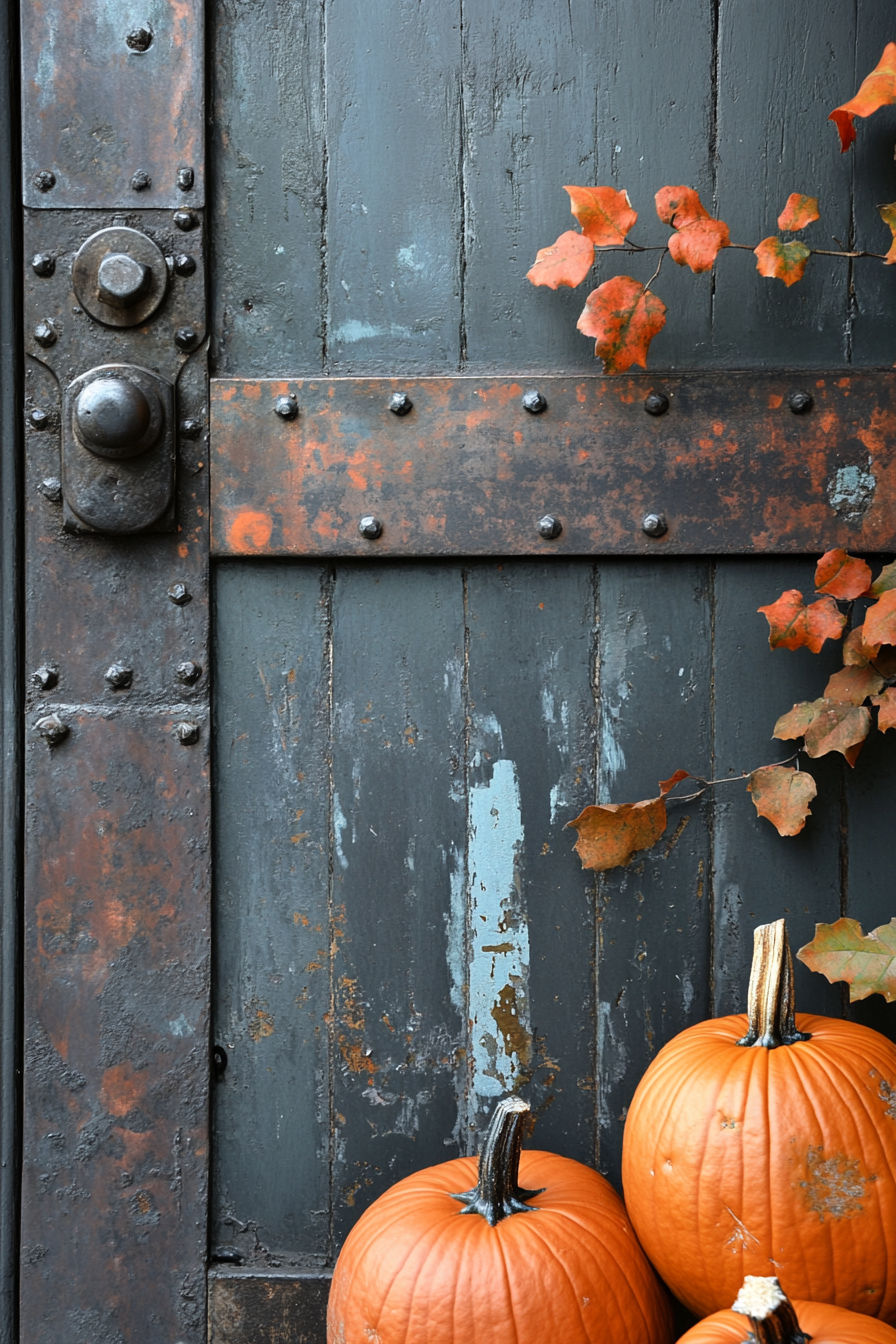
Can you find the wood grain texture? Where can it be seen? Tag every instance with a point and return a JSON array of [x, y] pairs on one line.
[[873, 183]]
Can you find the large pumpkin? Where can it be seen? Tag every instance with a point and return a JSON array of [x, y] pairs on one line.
[[767, 1144], [555, 1264], [774, 1319]]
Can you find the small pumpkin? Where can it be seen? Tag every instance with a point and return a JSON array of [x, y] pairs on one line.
[[555, 1262], [774, 1319], [767, 1142]]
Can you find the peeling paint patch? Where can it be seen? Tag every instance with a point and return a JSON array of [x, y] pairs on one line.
[[456, 922], [180, 1027], [339, 825], [353, 330], [851, 490]]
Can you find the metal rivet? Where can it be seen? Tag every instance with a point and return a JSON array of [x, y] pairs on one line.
[[51, 489], [800, 402], [185, 338], [549, 527], [141, 181], [45, 334], [656, 403], [188, 672], [140, 39], [43, 263], [654, 524], [191, 429], [286, 407], [122, 280], [534, 403], [179, 594], [45, 677], [400, 403], [185, 220], [370, 527], [187, 732], [185, 179], [52, 729], [44, 180], [184, 264], [118, 676], [38, 418]]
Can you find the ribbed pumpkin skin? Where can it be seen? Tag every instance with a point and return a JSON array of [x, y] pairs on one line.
[[825, 1324], [743, 1161], [415, 1270]]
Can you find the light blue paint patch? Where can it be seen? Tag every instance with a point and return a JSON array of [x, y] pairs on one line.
[[180, 1027], [851, 490], [500, 1034], [406, 259], [352, 330], [456, 929], [339, 825]]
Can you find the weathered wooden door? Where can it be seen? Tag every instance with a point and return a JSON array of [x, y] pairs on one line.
[[278, 955]]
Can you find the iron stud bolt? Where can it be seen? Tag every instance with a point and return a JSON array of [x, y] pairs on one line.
[[44, 678], [179, 594], [43, 263], [51, 489], [185, 179], [140, 39], [399, 404], [186, 733], [141, 181], [45, 335], [185, 338], [184, 264], [549, 527], [119, 677], [191, 429], [800, 402], [44, 180], [185, 220], [534, 403], [286, 407], [654, 524], [122, 280], [38, 418], [188, 672], [656, 403], [370, 527], [52, 729]]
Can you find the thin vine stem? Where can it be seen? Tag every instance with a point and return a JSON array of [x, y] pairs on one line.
[[728, 779], [634, 248]]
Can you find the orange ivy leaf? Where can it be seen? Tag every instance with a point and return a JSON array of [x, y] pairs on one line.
[[886, 709], [853, 685], [885, 580], [611, 833], [781, 261], [888, 215], [798, 212], [783, 795], [854, 654], [606, 215], [699, 237], [880, 623], [793, 625], [842, 575], [565, 262], [825, 726], [623, 317], [877, 90], [796, 721], [867, 962]]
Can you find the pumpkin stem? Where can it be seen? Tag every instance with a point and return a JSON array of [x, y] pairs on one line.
[[770, 1311], [497, 1194], [770, 1007]]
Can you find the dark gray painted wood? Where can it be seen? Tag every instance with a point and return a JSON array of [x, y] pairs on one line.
[[272, 943], [655, 686], [874, 182]]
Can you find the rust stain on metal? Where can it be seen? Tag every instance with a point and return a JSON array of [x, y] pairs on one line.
[[470, 472]]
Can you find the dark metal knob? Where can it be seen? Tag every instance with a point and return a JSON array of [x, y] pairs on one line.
[[400, 403], [656, 403], [534, 403], [370, 527], [287, 407], [654, 524], [119, 676], [122, 280], [52, 729], [800, 402], [549, 527], [114, 418]]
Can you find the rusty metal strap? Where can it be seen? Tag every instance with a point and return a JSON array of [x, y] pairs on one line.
[[701, 464]]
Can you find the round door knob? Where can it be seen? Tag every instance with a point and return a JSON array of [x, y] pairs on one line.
[[121, 280], [115, 418]]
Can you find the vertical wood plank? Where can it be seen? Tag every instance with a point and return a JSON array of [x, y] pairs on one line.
[[272, 939], [393, 195], [398, 1016], [656, 717], [585, 93], [759, 875], [268, 201], [873, 181], [531, 908]]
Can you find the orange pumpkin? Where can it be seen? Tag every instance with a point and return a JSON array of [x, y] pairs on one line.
[[513, 1266], [774, 1319], [765, 1143]]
